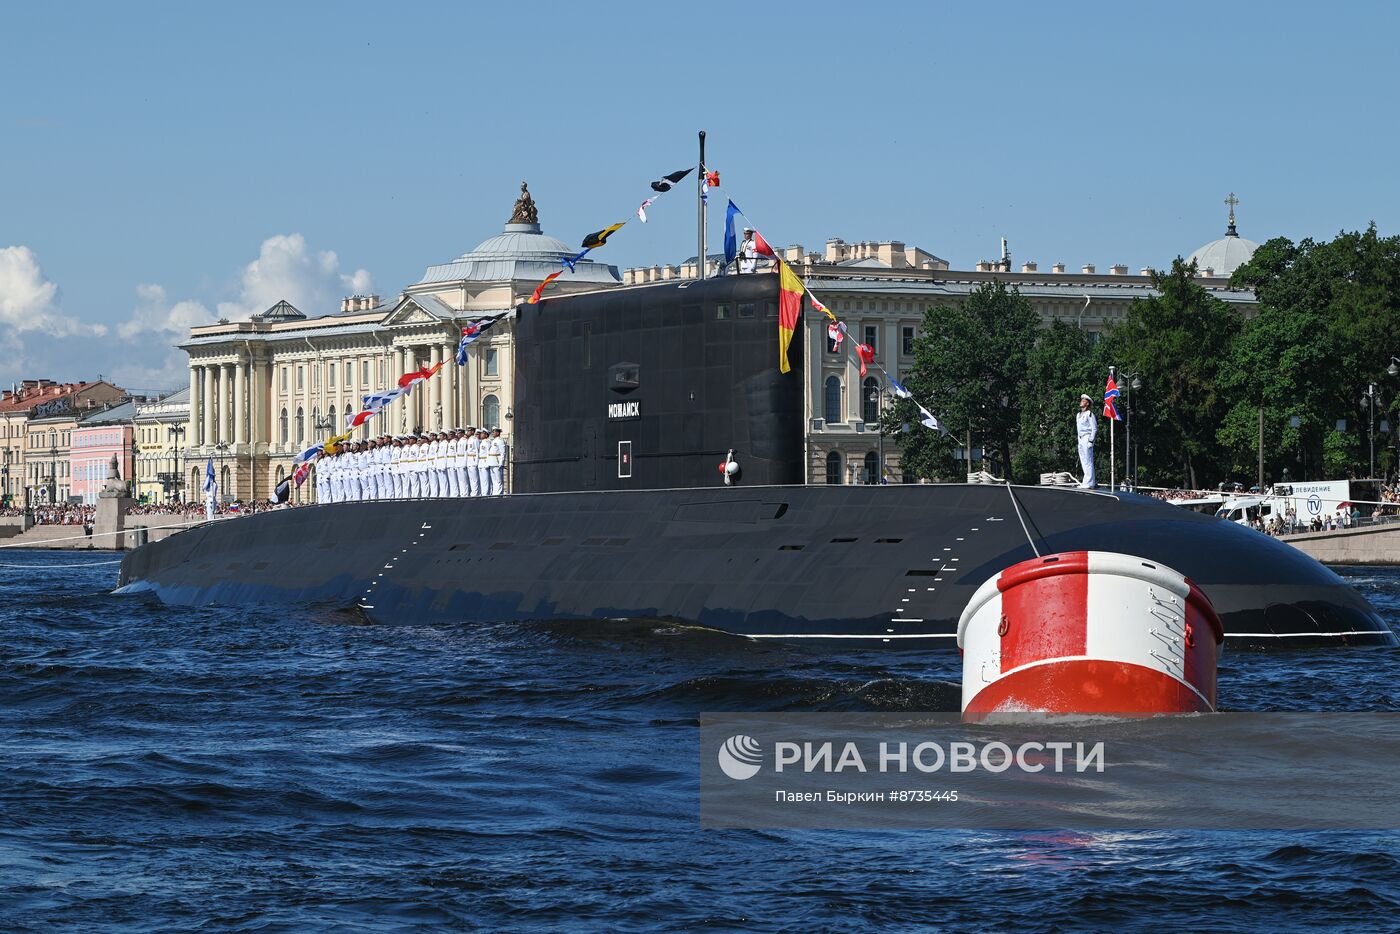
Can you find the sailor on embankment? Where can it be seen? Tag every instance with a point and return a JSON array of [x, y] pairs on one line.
[[1087, 427]]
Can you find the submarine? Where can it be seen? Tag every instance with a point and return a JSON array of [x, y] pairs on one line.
[[629, 403]]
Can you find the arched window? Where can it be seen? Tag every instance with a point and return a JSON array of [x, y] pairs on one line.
[[225, 483], [315, 418], [833, 468], [195, 493], [491, 412], [285, 439], [301, 425], [872, 467], [349, 414], [831, 399], [870, 400]]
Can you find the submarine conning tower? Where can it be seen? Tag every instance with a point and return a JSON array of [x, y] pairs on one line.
[[651, 387]]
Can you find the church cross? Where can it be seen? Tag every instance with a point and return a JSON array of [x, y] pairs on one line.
[[1231, 200]]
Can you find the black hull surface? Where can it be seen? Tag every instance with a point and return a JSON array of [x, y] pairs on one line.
[[890, 565]]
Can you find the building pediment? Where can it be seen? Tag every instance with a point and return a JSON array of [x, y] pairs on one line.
[[419, 310]]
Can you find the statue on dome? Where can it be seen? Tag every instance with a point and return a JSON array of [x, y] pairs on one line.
[[525, 210]]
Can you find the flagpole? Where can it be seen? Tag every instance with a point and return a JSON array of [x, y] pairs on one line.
[[700, 206], [1111, 486]]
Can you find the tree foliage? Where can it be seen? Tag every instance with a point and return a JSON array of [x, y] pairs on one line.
[[969, 368], [1179, 343]]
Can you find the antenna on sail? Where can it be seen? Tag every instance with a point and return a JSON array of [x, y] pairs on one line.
[[700, 209]]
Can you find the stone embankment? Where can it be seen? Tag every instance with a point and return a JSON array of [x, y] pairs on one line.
[[1367, 545], [73, 537]]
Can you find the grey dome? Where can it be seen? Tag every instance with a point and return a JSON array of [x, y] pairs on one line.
[[518, 241], [1225, 255], [520, 252]]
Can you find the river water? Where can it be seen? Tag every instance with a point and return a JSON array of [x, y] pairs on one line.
[[167, 768]]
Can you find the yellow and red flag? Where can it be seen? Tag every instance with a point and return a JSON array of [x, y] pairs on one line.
[[789, 310]]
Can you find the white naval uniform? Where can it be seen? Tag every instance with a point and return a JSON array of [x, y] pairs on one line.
[[483, 476], [440, 467], [323, 488], [385, 481], [454, 450], [473, 449], [396, 470], [748, 256], [495, 459], [1087, 427]]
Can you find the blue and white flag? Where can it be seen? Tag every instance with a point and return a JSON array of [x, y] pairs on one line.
[[472, 331], [929, 420], [731, 241], [210, 485], [898, 388], [309, 453]]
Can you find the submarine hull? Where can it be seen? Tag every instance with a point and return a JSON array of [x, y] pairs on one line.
[[881, 565]]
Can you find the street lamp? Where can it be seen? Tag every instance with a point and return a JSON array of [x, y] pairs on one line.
[[1393, 370], [178, 433], [1368, 399], [221, 449], [877, 396], [1131, 381]]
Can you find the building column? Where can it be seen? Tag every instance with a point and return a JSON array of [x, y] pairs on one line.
[[435, 406], [449, 387], [194, 431], [240, 404], [207, 434]]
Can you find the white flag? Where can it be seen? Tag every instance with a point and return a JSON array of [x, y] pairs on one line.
[[929, 420]]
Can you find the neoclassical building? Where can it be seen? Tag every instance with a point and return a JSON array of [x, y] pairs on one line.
[[881, 290], [264, 389]]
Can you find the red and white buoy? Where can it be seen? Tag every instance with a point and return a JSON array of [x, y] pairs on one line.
[[1089, 632]]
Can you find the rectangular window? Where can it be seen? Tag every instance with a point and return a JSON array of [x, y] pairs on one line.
[[383, 377], [746, 309], [330, 375], [721, 312], [870, 332], [624, 459], [349, 370], [315, 375], [301, 378], [364, 374], [488, 361], [284, 379], [906, 341]]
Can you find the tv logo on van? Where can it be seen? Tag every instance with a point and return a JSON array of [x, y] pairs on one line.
[[1315, 504]]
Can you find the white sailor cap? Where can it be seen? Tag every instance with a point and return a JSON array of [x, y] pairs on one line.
[[1086, 397]]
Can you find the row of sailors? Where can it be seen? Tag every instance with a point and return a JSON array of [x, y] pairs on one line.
[[458, 462]]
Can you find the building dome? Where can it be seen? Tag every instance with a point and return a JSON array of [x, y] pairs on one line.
[[518, 241], [1227, 254], [520, 252]]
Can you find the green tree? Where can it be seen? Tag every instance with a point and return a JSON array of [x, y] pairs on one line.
[[1179, 341], [1063, 363], [1329, 321], [969, 366]]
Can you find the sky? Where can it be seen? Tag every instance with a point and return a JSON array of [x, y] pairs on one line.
[[164, 165]]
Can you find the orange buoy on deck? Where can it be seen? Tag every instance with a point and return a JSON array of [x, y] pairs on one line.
[[1089, 632]]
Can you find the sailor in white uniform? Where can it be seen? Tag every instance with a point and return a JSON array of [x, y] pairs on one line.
[[495, 461], [434, 463], [396, 468], [1087, 428], [473, 458], [464, 438], [454, 446], [323, 490], [483, 477], [748, 253]]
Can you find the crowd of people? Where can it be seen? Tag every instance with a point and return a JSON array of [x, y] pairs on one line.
[[454, 462]]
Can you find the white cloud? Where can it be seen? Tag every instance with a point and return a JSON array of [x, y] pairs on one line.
[[155, 314], [29, 299], [287, 269]]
